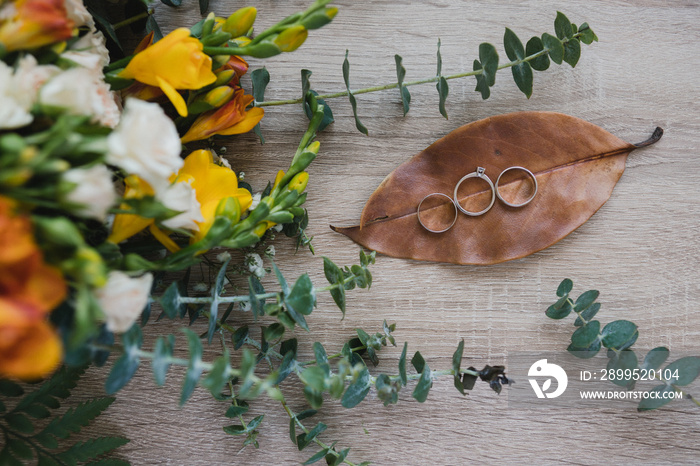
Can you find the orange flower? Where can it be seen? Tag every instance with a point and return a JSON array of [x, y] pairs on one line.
[[229, 119], [29, 290], [174, 62], [28, 24]]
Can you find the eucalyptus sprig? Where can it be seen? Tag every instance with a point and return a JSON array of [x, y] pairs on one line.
[[27, 436], [618, 337], [343, 375], [537, 54]]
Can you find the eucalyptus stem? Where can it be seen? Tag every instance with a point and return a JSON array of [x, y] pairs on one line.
[[306, 431], [272, 103]]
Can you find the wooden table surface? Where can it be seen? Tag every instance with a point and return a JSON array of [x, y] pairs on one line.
[[640, 250]]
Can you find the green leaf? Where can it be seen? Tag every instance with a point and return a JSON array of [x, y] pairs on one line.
[[260, 79], [76, 418], [443, 90], [587, 34], [163, 351], [688, 370], [566, 285], [658, 400], [303, 296], [255, 288], [584, 336], [655, 358], [572, 52], [20, 448], [235, 430], [341, 457], [285, 368], [194, 368], [84, 451], [587, 314], [403, 90], [218, 375], [623, 360], [274, 332], [418, 361], [172, 2], [7, 459], [522, 72], [203, 6], [357, 391], [103, 24], [152, 26], [304, 439], [402, 365], [555, 48], [457, 357], [619, 334], [320, 354], [562, 26], [314, 377], [235, 411], [346, 77], [20, 423], [585, 353], [215, 293], [281, 280], [9, 388], [37, 411], [170, 301], [585, 300], [540, 63], [239, 337], [555, 312], [420, 393], [314, 398], [318, 456], [121, 373]]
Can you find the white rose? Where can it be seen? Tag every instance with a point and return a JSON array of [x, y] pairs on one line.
[[78, 13], [89, 52], [14, 113], [94, 191], [81, 91], [123, 299], [146, 143], [183, 198]]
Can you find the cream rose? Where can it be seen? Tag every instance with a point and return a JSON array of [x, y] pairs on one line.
[[93, 190], [81, 91], [79, 14], [146, 143], [123, 299]]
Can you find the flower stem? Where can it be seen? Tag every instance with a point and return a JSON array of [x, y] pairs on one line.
[[133, 19]]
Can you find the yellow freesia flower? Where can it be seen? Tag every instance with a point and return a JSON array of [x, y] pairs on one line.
[[174, 62], [212, 183]]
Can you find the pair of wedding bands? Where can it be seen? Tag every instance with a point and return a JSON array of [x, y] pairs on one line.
[[479, 173]]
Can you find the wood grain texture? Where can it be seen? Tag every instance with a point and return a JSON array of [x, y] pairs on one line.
[[640, 250]]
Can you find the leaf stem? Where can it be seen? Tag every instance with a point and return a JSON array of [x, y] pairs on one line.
[[38, 448]]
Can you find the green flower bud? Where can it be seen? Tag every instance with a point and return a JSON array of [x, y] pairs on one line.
[[218, 96], [291, 38], [15, 178], [320, 18], [240, 22], [91, 268], [281, 217], [12, 143], [59, 232], [208, 25], [230, 208], [262, 50], [298, 183], [216, 39], [224, 77], [217, 61]]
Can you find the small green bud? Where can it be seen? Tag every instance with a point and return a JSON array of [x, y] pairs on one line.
[[58, 231], [217, 97], [92, 269], [217, 61], [208, 25], [12, 142], [281, 217], [240, 22]]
